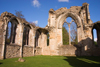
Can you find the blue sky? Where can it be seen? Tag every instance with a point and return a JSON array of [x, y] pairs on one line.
[[38, 10]]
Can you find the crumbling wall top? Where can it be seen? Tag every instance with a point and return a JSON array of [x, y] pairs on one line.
[[6, 14], [96, 25], [74, 9], [85, 4]]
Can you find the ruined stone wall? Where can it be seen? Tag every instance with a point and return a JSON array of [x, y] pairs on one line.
[[96, 51], [0, 50], [38, 51], [67, 50], [28, 51], [1, 36], [12, 51], [46, 51], [80, 15]]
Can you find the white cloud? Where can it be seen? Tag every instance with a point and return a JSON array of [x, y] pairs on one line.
[[36, 3], [36, 22], [63, 0], [95, 39]]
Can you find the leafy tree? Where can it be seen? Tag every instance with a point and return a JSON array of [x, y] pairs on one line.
[[65, 36], [95, 42]]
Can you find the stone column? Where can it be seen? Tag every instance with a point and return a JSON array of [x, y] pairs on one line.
[[69, 30], [3, 40], [69, 35]]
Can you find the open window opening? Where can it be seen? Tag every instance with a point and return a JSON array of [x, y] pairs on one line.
[[26, 35], [11, 32], [69, 32], [95, 36], [48, 39]]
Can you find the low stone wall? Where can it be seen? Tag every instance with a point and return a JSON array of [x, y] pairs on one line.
[[38, 51], [46, 51], [67, 50], [0, 51], [12, 51], [27, 51], [96, 51]]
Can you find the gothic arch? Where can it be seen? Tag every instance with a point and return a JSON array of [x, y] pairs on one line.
[[96, 26], [16, 22], [62, 17], [77, 20]]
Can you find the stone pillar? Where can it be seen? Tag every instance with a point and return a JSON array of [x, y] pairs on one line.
[[3, 39], [53, 42], [19, 37], [69, 30], [69, 35], [59, 37], [32, 39]]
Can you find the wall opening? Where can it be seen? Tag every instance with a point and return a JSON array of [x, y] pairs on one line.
[[65, 34], [37, 38], [95, 36], [11, 32], [48, 39], [69, 32], [74, 40], [26, 35], [8, 33]]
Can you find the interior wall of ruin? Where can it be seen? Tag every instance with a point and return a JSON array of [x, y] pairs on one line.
[[81, 16], [15, 49]]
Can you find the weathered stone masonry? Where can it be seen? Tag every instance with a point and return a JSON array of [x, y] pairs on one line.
[[27, 40]]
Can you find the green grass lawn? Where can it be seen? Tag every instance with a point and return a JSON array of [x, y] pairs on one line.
[[52, 61]]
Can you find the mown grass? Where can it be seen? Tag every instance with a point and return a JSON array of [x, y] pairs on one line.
[[52, 61]]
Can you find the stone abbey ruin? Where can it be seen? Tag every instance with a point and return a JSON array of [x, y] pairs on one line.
[[27, 40]]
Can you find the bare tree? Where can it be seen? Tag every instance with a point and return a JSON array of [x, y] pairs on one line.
[[73, 32], [19, 14], [33, 24]]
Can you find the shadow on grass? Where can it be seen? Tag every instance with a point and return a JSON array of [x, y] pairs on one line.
[[0, 63], [83, 61]]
